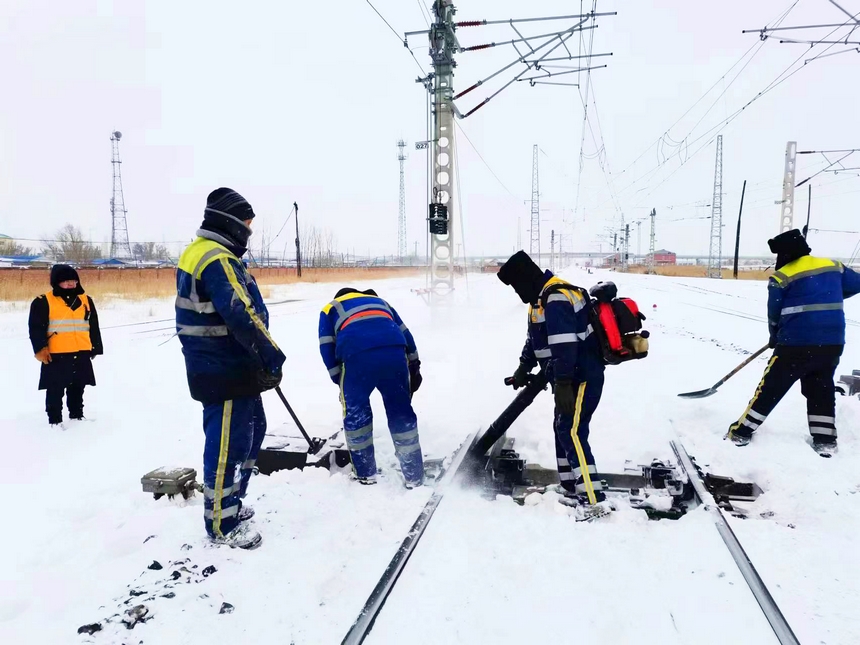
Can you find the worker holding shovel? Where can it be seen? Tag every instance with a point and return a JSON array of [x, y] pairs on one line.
[[807, 333]]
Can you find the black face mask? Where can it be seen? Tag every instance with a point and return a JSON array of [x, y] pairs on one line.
[[234, 233], [528, 290]]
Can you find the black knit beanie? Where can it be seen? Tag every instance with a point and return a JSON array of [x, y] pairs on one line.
[[225, 215]]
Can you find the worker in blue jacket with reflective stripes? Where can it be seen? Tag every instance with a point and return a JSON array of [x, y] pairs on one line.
[[560, 339], [807, 332], [365, 346], [230, 358]]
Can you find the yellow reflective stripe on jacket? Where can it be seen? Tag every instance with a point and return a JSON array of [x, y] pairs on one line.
[[240, 292], [200, 254], [348, 296], [567, 290], [803, 268], [68, 329]]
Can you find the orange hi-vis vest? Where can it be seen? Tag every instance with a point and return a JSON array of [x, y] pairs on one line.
[[68, 330]]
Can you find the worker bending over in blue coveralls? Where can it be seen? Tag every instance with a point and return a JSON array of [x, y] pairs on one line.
[[365, 346], [561, 340]]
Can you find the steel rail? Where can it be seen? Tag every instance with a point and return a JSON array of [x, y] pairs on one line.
[[367, 617], [784, 634]]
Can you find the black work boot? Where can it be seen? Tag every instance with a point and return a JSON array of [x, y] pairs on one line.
[[824, 445]]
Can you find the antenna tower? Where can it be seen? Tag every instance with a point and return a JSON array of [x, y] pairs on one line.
[[552, 250], [401, 222], [652, 248], [534, 229], [119, 245], [715, 254]]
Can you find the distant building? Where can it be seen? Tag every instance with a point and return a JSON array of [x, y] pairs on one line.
[[664, 257], [611, 260]]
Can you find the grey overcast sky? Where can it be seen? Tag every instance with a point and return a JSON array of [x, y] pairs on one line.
[[289, 101]]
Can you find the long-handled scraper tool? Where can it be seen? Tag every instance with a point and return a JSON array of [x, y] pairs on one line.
[[315, 444]]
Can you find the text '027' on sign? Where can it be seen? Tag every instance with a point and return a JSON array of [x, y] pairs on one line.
[[422, 145]]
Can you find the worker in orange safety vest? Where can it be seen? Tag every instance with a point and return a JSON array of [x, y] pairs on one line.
[[64, 332]]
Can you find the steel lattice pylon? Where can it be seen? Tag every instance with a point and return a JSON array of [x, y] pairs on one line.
[[119, 244], [652, 244], [401, 221], [534, 229], [715, 252]]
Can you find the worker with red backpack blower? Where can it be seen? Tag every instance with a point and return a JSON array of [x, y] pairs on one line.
[[572, 338], [560, 339]]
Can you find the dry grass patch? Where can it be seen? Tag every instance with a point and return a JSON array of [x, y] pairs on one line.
[[143, 284], [699, 271]]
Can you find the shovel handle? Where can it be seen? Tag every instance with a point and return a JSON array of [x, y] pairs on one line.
[[749, 359]]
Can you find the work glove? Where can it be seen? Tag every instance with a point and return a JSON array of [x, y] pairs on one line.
[[565, 399], [336, 378], [267, 380], [43, 356], [415, 377], [772, 342], [520, 377]]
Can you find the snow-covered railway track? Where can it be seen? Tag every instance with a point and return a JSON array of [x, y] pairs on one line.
[[364, 623], [784, 634]]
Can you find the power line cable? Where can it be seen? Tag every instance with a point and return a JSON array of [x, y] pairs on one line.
[[396, 35], [756, 46], [480, 156], [719, 127], [726, 122], [424, 10]]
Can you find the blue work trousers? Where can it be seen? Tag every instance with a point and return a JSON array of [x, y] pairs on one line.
[[576, 468], [384, 369], [235, 430]]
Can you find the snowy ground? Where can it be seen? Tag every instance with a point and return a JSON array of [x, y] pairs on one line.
[[81, 534]]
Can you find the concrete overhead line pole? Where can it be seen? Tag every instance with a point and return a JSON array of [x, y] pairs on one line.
[[532, 53]]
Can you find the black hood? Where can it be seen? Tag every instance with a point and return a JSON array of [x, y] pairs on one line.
[[526, 277], [788, 246], [61, 273]]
